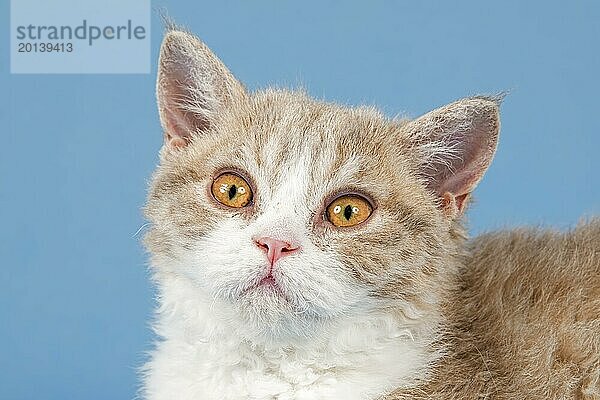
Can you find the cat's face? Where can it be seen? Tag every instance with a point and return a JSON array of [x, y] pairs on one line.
[[293, 212]]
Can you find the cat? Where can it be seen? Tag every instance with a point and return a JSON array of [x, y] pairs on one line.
[[305, 250]]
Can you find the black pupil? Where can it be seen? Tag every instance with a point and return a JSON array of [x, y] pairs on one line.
[[232, 192], [348, 212]]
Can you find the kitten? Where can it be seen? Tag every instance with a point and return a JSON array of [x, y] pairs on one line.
[[304, 250]]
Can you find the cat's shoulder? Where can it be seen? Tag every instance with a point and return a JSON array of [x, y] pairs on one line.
[[526, 313], [535, 273]]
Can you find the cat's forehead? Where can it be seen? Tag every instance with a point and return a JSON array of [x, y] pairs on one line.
[[278, 136], [298, 120]]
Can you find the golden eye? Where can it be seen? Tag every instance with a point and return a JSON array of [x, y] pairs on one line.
[[232, 190], [348, 210]]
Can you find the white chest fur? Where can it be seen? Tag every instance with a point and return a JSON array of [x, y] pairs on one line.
[[202, 357]]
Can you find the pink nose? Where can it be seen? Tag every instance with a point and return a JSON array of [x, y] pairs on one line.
[[275, 249]]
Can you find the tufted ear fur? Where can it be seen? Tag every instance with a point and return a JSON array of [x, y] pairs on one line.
[[193, 87], [456, 143]]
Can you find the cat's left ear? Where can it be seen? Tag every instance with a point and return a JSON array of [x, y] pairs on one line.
[[456, 144], [192, 89]]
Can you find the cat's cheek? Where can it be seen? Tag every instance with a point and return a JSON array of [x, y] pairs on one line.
[[323, 286], [219, 260]]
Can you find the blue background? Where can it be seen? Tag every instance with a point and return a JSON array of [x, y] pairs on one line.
[[77, 151]]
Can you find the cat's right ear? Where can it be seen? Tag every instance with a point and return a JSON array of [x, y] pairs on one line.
[[192, 88]]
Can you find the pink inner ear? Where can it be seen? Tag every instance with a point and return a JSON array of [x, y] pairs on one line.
[[180, 125], [175, 132], [192, 86], [464, 135], [176, 89], [465, 173]]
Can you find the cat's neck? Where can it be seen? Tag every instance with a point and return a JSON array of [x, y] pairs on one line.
[[378, 350]]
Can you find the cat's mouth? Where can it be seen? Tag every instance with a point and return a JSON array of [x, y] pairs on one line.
[[269, 285], [268, 282]]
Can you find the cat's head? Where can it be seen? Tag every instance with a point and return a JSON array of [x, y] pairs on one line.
[[293, 212]]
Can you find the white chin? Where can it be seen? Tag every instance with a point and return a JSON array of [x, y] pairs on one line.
[[269, 313]]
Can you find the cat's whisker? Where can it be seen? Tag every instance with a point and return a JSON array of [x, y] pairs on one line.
[[142, 227]]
